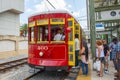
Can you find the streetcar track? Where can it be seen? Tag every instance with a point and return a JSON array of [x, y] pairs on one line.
[[11, 64], [46, 75], [6, 77], [33, 75]]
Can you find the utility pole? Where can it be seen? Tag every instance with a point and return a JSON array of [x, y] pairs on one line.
[[92, 27], [88, 16]]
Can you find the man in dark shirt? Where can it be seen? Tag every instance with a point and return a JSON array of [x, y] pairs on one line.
[[106, 53]]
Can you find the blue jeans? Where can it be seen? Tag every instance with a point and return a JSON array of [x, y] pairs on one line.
[[76, 57], [84, 68]]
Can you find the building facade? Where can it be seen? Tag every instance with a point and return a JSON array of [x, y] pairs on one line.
[[11, 44], [10, 11]]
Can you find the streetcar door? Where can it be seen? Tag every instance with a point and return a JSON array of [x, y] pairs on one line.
[[71, 43], [77, 31]]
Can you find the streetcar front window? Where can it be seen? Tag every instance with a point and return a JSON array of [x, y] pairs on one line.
[[42, 33], [57, 33]]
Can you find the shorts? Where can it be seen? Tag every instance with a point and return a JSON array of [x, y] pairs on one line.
[[102, 59]]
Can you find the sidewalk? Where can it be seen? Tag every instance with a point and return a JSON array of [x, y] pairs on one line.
[[109, 76], [92, 75]]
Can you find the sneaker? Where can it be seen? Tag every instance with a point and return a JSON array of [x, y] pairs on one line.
[[76, 67], [106, 71], [73, 67]]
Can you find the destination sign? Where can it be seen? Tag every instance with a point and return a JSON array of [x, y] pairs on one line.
[[42, 21], [31, 24], [57, 20]]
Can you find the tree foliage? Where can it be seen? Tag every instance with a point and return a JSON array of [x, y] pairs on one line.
[[24, 30]]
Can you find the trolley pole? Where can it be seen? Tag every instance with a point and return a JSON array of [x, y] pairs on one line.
[[92, 27]]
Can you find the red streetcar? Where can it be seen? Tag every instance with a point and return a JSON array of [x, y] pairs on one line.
[[44, 50]]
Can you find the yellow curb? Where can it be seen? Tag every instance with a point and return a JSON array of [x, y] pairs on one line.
[[82, 77]]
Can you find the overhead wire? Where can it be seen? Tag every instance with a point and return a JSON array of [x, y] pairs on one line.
[[71, 11], [80, 18], [51, 4]]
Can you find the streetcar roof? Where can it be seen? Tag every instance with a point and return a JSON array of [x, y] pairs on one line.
[[53, 11]]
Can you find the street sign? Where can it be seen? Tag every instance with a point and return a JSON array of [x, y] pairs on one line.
[[99, 26]]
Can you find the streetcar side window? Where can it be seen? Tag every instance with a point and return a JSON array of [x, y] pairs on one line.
[[69, 23], [32, 34], [42, 33], [70, 37], [70, 34], [76, 27]]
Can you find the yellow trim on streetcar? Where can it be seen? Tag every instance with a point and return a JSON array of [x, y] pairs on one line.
[[77, 31], [71, 43]]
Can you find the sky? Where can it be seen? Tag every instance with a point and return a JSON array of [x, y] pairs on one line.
[[76, 7]]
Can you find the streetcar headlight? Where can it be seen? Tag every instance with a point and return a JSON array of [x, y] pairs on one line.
[[41, 53]]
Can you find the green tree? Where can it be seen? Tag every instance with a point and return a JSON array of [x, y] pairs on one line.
[[24, 30]]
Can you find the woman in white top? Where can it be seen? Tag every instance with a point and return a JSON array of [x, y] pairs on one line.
[[100, 55]]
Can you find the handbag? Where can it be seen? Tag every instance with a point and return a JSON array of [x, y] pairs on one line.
[[96, 65], [98, 62]]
